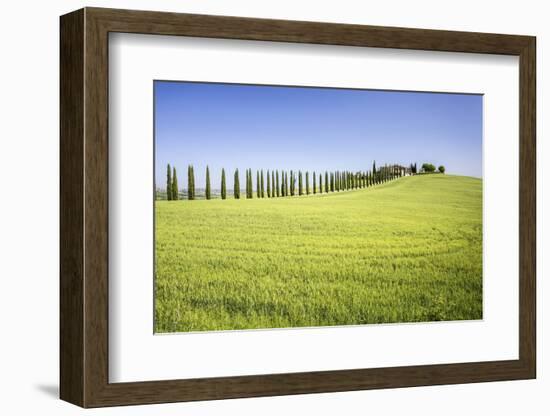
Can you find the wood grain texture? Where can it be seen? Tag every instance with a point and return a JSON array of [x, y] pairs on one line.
[[71, 208], [84, 207]]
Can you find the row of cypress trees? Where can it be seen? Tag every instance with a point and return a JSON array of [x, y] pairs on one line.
[[282, 184], [172, 193]]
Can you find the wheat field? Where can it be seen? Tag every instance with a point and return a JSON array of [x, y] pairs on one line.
[[409, 250]]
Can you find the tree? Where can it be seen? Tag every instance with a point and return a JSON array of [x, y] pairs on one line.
[[207, 190], [428, 167], [250, 188], [278, 185], [190, 183], [320, 183], [175, 191], [441, 169], [224, 189], [331, 181], [249, 192], [168, 182], [307, 183], [272, 184], [300, 184], [268, 185], [286, 188], [262, 183], [236, 185], [314, 183], [258, 189], [326, 182]]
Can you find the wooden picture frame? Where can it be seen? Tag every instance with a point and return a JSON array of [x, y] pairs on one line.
[[84, 207]]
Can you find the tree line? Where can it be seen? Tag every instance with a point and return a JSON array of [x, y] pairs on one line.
[[275, 183]]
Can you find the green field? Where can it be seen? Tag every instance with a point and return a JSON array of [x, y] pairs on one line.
[[409, 250]]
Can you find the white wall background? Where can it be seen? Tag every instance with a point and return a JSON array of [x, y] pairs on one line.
[[29, 159]]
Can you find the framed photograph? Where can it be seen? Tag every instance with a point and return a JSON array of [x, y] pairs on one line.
[[255, 207]]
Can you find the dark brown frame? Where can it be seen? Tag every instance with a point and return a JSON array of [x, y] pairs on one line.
[[84, 207]]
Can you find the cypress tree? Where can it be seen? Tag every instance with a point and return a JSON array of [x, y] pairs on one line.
[[331, 181], [248, 194], [336, 180], [262, 183], [307, 183], [175, 191], [247, 183], [258, 189], [287, 186], [268, 185], [326, 182], [291, 186], [190, 183], [168, 182], [300, 184], [278, 189], [236, 185], [207, 190], [314, 184], [250, 188], [224, 189], [320, 183]]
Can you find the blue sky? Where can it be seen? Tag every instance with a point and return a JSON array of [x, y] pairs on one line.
[[310, 129]]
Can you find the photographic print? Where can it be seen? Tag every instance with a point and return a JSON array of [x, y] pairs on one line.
[[290, 206]]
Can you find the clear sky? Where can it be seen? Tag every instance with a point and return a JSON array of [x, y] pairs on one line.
[[310, 129]]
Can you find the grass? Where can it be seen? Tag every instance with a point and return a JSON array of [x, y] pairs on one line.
[[405, 251]]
